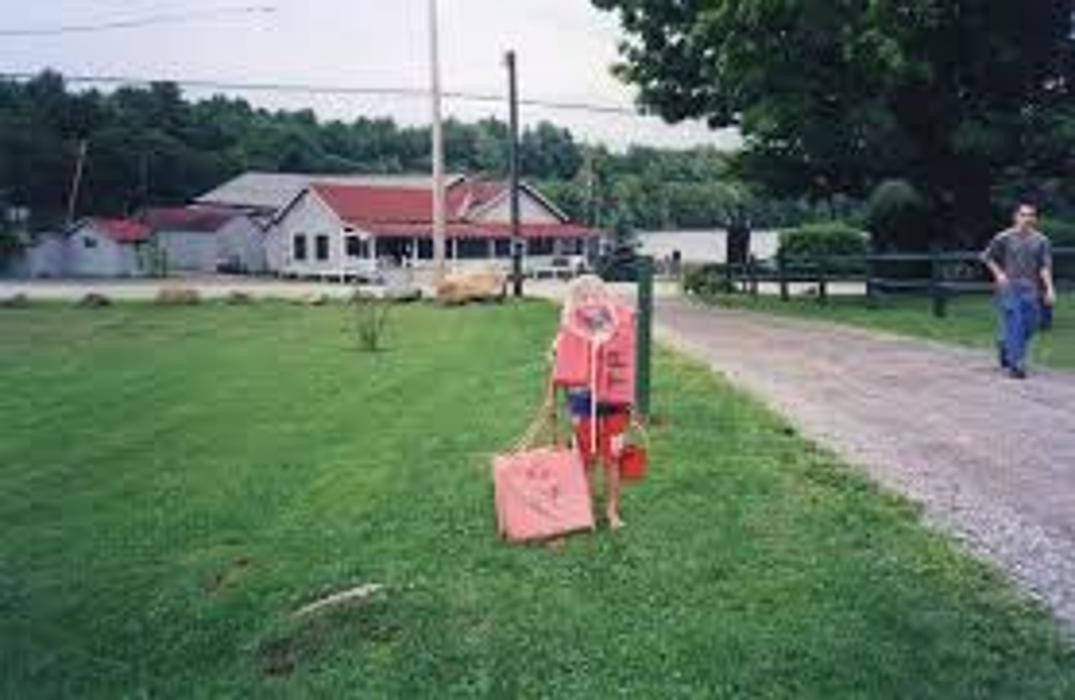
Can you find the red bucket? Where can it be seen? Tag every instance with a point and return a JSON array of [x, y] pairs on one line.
[[633, 463]]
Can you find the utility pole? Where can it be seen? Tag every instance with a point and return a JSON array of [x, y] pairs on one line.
[[72, 200], [144, 189], [591, 187], [592, 253], [517, 241], [438, 149]]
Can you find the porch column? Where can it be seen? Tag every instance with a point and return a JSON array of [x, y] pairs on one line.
[[341, 249]]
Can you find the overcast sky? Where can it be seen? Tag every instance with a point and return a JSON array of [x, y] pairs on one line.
[[564, 47]]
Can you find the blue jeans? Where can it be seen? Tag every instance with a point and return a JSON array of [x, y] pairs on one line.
[[1019, 317], [1045, 323]]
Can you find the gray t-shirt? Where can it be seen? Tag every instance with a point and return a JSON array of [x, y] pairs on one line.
[[1022, 256]]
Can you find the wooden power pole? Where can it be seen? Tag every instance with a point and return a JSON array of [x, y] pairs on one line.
[[439, 223], [517, 241], [76, 183]]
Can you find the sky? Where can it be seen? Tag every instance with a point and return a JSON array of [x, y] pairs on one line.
[[564, 49]]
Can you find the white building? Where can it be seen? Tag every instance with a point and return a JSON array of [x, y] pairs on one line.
[[93, 247], [703, 246], [207, 240], [41, 255], [100, 247], [347, 230]]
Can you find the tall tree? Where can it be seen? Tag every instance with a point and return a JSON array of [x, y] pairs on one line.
[[834, 96]]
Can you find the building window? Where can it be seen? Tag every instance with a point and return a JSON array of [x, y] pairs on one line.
[[321, 247], [571, 246], [89, 242], [299, 247], [540, 246], [472, 248], [503, 247], [357, 248], [425, 248]]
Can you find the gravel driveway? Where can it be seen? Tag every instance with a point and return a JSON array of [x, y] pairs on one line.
[[990, 459]]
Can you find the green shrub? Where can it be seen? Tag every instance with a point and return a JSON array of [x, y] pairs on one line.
[[706, 280], [898, 217], [371, 320], [823, 239]]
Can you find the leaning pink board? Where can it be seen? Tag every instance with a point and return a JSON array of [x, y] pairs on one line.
[[541, 494]]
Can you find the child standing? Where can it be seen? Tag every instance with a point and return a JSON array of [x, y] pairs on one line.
[[594, 353]]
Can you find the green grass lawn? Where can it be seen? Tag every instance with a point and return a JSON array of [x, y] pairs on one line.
[[971, 320], [177, 481]]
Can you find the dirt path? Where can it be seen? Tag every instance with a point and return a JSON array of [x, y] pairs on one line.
[[209, 287], [990, 459]]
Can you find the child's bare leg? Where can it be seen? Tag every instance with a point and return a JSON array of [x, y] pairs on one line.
[[612, 494], [588, 465]]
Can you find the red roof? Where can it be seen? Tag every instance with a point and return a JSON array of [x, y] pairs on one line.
[[481, 193], [122, 230], [404, 204], [386, 204], [197, 219], [408, 211]]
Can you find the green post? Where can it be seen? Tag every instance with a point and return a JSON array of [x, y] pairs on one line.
[[936, 286], [823, 281], [871, 287], [782, 269], [644, 336]]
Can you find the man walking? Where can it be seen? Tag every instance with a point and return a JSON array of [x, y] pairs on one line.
[[1021, 262]]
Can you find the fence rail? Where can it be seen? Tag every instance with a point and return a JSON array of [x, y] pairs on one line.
[[942, 274]]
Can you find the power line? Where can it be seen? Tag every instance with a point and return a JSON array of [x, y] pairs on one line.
[[307, 89], [173, 18]]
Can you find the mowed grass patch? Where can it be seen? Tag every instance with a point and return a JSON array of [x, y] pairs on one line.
[[971, 320], [178, 481]]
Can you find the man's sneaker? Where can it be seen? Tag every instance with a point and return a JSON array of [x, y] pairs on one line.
[[1017, 373]]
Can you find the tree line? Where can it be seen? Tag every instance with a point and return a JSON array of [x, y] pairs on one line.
[[152, 146]]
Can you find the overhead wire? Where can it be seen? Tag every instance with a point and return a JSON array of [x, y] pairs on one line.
[[167, 18], [311, 89], [282, 88]]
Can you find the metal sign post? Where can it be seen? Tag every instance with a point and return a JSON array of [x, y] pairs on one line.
[[644, 336]]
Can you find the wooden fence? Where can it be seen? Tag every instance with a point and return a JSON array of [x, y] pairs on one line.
[[940, 274]]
